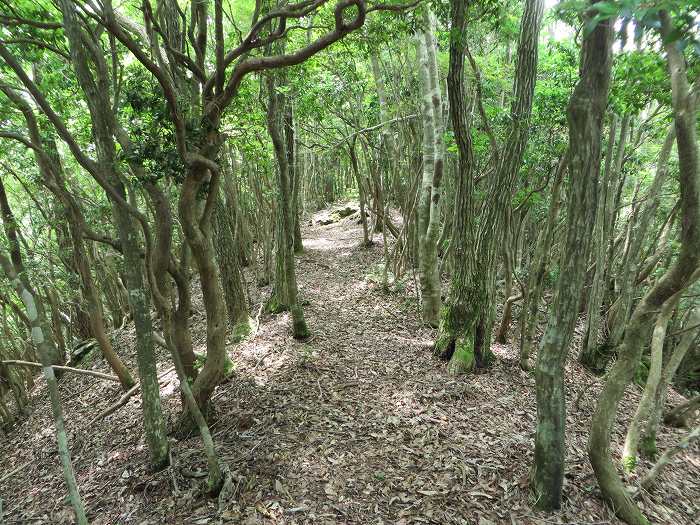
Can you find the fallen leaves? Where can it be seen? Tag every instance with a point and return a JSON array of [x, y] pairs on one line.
[[359, 425]]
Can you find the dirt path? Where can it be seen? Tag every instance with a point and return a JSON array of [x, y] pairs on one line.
[[360, 424]]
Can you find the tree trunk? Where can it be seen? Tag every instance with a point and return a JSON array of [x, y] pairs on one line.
[[585, 119], [650, 428], [589, 346], [538, 267], [231, 275], [457, 330], [196, 228], [472, 314], [433, 165], [649, 480], [44, 344], [644, 409], [674, 280], [286, 272], [96, 90], [366, 241], [12, 234]]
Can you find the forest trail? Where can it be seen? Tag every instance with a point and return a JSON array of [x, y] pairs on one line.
[[359, 424]]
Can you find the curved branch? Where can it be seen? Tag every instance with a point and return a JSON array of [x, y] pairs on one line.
[[342, 28]]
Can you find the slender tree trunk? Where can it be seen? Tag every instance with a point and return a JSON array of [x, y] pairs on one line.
[[164, 299], [366, 241], [96, 89], [44, 344], [287, 279], [538, 267], [651, 426], [585, 117], [644, 409], [589, 347], [196, 228], [12, 234], [294, 176], [674, 280], [433, 165]]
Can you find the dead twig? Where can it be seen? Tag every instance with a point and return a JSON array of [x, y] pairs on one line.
[[92, 373], [123, 400], [13, 472]]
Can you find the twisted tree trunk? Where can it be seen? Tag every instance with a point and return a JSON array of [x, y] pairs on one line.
[[673, 281]]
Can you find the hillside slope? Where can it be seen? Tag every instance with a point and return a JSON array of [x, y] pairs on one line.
[[360, 424]]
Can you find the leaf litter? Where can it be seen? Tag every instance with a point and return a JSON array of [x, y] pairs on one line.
[[359, 424]]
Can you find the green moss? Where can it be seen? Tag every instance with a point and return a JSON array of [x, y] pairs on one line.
[[274, 306], [462, 361], [299, 328], [241, 330], [642, 372], [444, 337], [489, 358], [629, 463], [229, 365]]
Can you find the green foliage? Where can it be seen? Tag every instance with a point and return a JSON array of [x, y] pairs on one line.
[[147, 118], [639, 78]]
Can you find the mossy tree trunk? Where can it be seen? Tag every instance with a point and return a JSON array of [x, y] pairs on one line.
[[231, 274], [433, 166], [585, 119], [466, 322], [285, 278], [457, 328], [676, 278]]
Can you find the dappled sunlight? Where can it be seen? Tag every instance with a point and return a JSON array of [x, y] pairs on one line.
[[320, 243]]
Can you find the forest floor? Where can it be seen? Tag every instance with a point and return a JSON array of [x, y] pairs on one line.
[[360, 424]]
